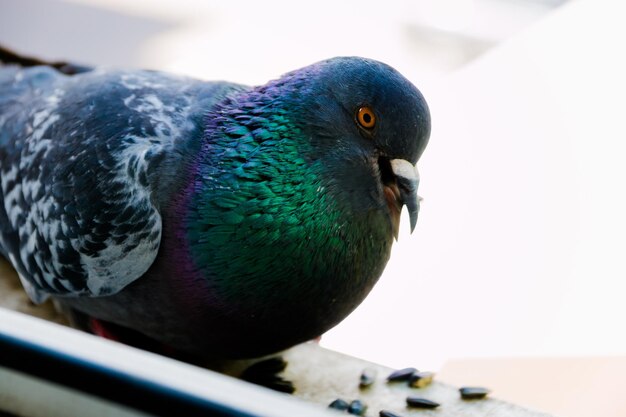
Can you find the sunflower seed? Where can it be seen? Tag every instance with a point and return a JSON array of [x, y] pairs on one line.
[[401, 375], [421, 379], [473, 393], [357, 407], [367, 377], [385, 413], [339, 404], [417, 402]]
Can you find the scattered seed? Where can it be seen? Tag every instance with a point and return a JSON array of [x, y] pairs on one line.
[[421, 379], [339, 404], [417, 402], [401, 375], [473, 393], [357, 407], [385, 413], [367, 377]]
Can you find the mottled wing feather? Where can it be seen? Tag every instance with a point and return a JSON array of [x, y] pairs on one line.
[[80, 160]]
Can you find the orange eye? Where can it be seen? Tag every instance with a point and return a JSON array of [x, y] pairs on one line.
[[366, 118]]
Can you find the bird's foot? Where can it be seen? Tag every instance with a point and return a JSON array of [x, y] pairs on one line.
[[99, 328], [135, 339], [266, 374]]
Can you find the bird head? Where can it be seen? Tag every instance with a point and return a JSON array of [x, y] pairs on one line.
[[368, 125]]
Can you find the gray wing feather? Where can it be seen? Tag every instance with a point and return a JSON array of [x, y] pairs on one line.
[[80, 160]]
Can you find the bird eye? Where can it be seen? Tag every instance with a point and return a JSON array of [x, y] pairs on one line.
[[366, 118]]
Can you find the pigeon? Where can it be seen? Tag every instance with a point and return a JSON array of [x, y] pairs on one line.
[[214, 218]]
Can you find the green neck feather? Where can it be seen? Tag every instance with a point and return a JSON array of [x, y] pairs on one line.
[[267, 224]]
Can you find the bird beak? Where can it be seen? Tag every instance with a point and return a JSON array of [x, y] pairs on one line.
[[408, 180]]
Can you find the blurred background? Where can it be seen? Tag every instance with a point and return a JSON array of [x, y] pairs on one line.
[[520, 248]]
